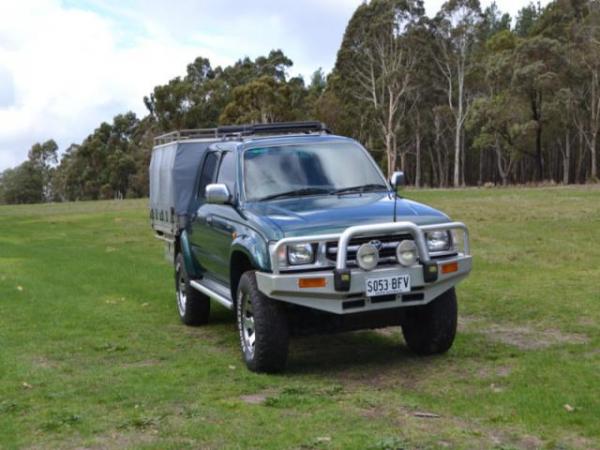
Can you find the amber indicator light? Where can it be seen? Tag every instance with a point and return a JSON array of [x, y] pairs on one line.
[[312, 282], [450, 267]]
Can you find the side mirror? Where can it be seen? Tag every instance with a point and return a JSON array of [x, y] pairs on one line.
[[217, 193], [397, 180]]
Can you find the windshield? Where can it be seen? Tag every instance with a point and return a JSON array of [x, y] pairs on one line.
[[311, 169]]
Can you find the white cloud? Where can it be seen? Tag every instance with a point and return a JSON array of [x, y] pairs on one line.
[[69, 72], [506, 6], [66, 66]]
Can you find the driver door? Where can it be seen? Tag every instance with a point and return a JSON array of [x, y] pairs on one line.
[[211, 235]]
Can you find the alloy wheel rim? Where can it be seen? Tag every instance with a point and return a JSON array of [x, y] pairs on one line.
[[248, 329], [181, 295]]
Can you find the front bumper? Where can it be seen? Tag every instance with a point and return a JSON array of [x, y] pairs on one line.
[[286, 286]]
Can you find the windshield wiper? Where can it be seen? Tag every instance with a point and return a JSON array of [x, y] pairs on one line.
[[296, 193], [361, 188]]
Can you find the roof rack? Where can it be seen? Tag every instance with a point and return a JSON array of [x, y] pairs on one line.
[[179, 135], [239, 131]]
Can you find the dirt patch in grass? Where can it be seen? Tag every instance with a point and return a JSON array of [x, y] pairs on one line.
[[494, 371], [261, 397], [449, 431], [197, 333], [143, 363], [588, 322], [115, 440], [254, 399], [119, 440], [528, 338], [524, 337], [458, 432], [43, 362], [258, 398]]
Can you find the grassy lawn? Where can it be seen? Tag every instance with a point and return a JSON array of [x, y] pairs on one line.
[[92, 354]]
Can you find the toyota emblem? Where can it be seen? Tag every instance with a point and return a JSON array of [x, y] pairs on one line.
[[377, 244]]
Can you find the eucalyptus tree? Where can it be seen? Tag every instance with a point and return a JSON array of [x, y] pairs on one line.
[[103, 165], [23, 184], [494, 21], [499, 119], [43, 156], [266, 100], [378, 59], [585, 51], [527, 18], [538, 61], [198, 99], [456, 28], [30, 182]]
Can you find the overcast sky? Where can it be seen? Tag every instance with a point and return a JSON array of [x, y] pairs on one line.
[[66, 66]]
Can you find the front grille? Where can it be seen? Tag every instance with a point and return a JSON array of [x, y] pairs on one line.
[[387, 252]]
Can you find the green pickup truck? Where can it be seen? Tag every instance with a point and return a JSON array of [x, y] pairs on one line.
[[298, 232]]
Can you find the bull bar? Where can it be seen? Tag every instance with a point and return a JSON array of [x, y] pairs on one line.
[[284, 285]]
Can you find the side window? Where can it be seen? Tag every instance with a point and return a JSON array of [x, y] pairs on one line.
[[227, 171], [208, 174]]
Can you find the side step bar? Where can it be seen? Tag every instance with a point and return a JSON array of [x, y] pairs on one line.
[[223, 300]]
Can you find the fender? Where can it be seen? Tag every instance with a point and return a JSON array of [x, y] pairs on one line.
[[254, 247], [191, 266]]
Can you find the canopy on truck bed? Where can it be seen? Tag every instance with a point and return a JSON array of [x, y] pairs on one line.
[[173, 172]]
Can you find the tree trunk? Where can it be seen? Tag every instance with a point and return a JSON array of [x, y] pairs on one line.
[[580, 157], [593, 159], [463, 158], [434, 181], [595, 113], [403, 162], [418, 153], [480, 178], [438, 151], [456, 173], [503, 173], [391, 154], [459, 115], [567, 159], [536, 105]]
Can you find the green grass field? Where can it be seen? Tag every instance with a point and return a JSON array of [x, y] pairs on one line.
[[92, 354]]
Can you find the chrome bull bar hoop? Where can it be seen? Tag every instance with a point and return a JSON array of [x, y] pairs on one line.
[[416, 231]]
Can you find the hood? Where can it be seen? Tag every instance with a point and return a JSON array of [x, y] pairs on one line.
[[332, 214]]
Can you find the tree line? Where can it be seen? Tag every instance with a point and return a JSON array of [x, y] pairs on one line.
[[467, 97]]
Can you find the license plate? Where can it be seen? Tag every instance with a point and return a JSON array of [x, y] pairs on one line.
[[395, 284]]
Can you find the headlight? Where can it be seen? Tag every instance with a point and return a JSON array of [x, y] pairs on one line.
[[367, 257], [299, 254], [438, 241], [406, 252], [281, 254]]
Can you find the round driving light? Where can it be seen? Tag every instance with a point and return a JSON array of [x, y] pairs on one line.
[[406, 252], [367, 257]]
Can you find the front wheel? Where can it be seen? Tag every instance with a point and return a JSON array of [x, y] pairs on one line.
[[193, 306], [263, 327], [431, 328]]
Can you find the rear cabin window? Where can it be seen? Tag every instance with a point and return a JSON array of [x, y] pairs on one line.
[[208, 174], [227, 171]]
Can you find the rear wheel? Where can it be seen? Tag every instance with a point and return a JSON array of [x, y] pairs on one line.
[[193, 306], [263, 327], [431, 328]]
